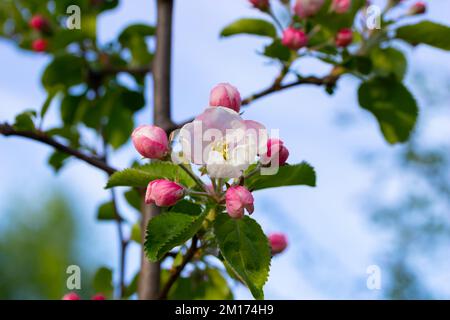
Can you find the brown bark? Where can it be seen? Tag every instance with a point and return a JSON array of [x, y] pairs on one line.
[[149, 279]]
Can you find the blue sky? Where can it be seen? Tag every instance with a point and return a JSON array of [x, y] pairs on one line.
[[331, 241]]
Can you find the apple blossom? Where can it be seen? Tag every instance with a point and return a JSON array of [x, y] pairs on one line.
[[294, 38], [163, 193], [237, 199], [225, 95], [278, 242], [418, 8], [307, 8], [39, 45], [275, 149], [344, 37], [150, 141], [341, 6], [71, 296], [262, 5], [220, 139], [39, 23]]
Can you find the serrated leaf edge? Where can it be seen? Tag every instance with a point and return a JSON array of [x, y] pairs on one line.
[[268, 267], [174, 235]]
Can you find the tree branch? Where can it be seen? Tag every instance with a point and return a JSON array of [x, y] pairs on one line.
[[327, 80], [150, 274], [177, 271], [162, 65], [330, 79], [8, 130]]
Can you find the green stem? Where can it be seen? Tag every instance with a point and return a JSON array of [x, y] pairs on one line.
[[193, 176], [275, 19], [197, 193]]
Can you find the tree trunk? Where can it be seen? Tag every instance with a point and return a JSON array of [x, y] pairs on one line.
[[149, 278]]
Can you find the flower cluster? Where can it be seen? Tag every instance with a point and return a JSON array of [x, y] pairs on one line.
[[295, 37], [42, 27], [222, 144], [308, 8]]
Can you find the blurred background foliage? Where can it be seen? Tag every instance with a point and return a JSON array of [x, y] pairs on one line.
[[408, 203], [411, 201], [37, 244]]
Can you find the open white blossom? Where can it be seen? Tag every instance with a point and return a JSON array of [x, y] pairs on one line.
[[222, 141]]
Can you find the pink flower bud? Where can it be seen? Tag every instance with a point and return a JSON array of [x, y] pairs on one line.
[[418, 8], [164, 193], [225, 95], [294, 38], [275, 148], [150, 141], [262, 5], [39, 45], [98, 296], [341, 6], [344, 37], [39, 23], [237, 199], [307, 8], [71, 296], [278, 242]]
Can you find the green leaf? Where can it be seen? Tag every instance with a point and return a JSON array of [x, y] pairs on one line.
[[389, 61], [136, 233], [169, 230], [360, 64], [106, 211], [73, 108], [278, 51], [57, 160], [250, 26], [288, 175], [71, 134], [103, 282], [136, 30], [244, 246], [108, 4], [132, 287], [51, 94], [208, 284], [24, 121], [334, 21], [426, 32], [140, 176], [132, 100], [185, 206], [65, 70], [392, 104], [119, 127], [65, 37], [133, 198], [133, 38]]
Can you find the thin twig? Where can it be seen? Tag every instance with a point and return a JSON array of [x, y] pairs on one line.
[[123, 245], [276, 87], [275, 19], [327, 80], [8, 130], [177, 271], [193, 176]]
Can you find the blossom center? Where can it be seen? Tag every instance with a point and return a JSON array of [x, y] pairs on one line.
[[221, 147]]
